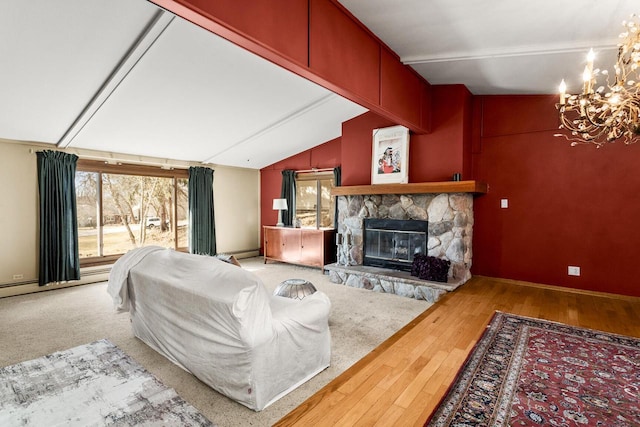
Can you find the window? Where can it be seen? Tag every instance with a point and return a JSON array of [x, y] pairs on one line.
[[315, 206], [121, 207], [88, 214]]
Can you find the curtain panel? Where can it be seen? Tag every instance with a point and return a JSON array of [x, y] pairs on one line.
[[58, 252], [337, 181], [202, 235], [289, 192]]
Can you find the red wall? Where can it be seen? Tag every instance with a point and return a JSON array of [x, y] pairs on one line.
[[323, 156], [432, 157], [567, 205], [285, 31], [447, 149], [357, 145], [342, 51]]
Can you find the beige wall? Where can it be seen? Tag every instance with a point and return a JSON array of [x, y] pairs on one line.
[[236, 197], [18, 213]]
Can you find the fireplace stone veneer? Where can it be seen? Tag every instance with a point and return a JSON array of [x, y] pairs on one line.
[[450, 233]]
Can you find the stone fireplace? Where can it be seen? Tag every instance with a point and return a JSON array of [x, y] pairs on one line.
[[448, 218]]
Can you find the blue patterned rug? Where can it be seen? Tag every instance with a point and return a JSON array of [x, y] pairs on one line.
[[532, 372], [91, 385]]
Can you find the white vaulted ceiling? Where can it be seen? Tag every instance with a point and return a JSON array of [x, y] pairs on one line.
[[124, 76], [55, 56], [498, 46], [195, 96]]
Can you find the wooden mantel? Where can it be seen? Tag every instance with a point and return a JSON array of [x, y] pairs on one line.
[[412, 188]]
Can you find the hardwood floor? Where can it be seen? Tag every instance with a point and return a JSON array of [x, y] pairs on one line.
[[402, 381]]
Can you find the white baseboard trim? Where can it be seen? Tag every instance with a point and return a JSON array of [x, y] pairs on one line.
[[87, 275], [248, 253]]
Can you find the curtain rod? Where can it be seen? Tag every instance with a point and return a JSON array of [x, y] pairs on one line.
[[315, 170]]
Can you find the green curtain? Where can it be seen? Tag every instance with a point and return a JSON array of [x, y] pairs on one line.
[[289, 192], [59, 257], [337, 181], [202, 228]]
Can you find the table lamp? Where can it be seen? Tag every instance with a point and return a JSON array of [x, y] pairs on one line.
[[280, 205]]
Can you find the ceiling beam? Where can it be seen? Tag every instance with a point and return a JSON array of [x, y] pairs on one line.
[[159, 22], [257, 33], [276, 124], [430, 59]]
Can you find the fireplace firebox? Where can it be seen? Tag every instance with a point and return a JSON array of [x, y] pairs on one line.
[[392, 243]]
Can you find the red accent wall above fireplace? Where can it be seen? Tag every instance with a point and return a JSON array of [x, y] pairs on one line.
[[432, 157]]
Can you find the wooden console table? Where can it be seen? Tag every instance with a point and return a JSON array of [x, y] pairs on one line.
[[304, 246]]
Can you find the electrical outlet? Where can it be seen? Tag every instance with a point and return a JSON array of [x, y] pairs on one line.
[[574, 271], [504, 203], [18, 276]]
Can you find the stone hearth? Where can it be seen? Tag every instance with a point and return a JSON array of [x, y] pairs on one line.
[[389, 281], [450, 217]]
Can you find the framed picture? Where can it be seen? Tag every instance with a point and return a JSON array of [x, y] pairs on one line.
[[390, 160]]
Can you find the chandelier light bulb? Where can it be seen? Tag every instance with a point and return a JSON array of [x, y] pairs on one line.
[[586, 77]]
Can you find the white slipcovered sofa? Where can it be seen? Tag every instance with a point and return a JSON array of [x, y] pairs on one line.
[[218, 322]]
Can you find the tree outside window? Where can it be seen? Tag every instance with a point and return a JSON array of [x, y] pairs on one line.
[[315, 206], [118, 212]]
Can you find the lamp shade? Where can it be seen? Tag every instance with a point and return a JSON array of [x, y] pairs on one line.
[[279, 204]]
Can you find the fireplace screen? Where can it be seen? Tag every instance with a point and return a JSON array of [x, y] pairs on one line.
[[393, 243]]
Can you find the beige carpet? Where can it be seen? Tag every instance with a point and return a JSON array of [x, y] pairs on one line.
[[34, 325]]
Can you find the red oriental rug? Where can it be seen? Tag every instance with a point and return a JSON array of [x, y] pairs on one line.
[[531, 372]]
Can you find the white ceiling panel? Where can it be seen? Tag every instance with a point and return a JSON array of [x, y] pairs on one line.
[[322, 121], [56, 55], [194, 95], [530, 74]]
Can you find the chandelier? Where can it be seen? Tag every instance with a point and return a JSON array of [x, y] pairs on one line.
[[609, 112]]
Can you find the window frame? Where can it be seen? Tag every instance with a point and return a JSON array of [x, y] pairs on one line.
[[101, 167]]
